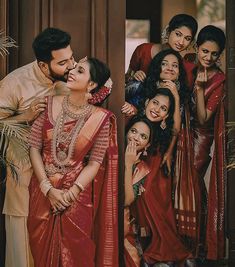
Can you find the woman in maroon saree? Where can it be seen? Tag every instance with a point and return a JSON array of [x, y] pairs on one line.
[[155, 213], [73, 192], [178, 35], [153, 209], [139, 138], [208, 133]]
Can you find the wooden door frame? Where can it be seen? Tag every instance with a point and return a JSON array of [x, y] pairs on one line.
[[230, 81], [4, 28]]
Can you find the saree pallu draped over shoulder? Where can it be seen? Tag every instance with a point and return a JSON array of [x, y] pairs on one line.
[[215, 176], [200, 191], [186, 188], [86, 233], [155, 213], [132, 252]]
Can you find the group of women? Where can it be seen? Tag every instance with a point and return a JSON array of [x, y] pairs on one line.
[[174, 160], [175, 153]]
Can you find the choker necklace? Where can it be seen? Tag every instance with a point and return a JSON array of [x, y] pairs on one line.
[[73, 115], [74, 106]]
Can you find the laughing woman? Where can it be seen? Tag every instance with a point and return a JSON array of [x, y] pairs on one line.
[[72, 220], [152, 209]]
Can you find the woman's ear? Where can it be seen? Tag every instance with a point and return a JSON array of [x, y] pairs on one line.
[[91, 85]]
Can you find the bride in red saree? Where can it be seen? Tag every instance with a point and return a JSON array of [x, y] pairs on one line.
[[73, 217]]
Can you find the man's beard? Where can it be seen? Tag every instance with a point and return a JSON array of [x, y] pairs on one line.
[[55, 77]]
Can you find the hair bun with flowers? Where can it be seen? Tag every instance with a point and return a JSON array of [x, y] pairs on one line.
[[109, 84], [102, 94]]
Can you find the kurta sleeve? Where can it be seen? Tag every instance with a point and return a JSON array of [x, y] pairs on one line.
[[100, 145], [215, 98], [9, 99], [36, 133]]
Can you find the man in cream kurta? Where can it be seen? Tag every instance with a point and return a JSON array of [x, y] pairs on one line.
[[24, 91]]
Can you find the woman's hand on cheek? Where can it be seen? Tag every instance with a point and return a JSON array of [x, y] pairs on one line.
[[173, 88], [131, 155]]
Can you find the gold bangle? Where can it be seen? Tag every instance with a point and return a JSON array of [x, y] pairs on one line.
[[80, 186], [45, 185]]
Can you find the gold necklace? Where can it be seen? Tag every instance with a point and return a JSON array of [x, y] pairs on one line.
[[85, 110], [63, 141], [74, 106]]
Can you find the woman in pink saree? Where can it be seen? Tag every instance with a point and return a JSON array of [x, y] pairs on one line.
[[73, 193]]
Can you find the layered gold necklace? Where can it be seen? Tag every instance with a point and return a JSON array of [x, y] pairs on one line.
[[63, 142]]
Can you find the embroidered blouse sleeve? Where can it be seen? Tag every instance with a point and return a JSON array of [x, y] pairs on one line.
[[35, 137], [215, 98], [100, 145]]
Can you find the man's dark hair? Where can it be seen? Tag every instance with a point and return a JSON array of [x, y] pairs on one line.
[[48, 40]]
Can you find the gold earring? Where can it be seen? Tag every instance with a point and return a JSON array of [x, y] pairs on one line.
[[88, 95], [145, 153], [163, 124]]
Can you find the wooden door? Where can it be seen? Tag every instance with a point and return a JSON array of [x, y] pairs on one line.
[[230, 73]]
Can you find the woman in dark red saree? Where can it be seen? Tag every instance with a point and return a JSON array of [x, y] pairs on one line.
[[155, 213], [208, 132], [139, 138], [73, 192], [153, 210], [178, 35]]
